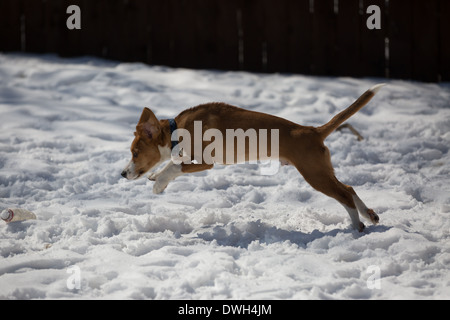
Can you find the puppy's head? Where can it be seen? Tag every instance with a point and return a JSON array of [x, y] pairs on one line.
[[146, 148]]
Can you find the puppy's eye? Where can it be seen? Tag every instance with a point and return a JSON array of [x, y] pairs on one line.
[[135, 154]]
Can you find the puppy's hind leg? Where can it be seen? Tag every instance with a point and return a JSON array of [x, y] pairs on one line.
[[345, 195], [353, 213], [367, 213], [330, 186], [317, 170]]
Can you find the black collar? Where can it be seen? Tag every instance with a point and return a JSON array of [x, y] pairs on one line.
[[173, 127]]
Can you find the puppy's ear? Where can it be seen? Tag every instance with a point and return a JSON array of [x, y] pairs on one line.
[[148, 125]]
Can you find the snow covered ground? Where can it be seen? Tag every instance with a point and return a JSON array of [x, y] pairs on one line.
[[229, 233]]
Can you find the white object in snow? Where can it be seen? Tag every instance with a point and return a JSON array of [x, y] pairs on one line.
[[17, 214]]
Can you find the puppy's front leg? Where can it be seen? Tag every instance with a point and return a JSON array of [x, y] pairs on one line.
[[154, 175], [163, 177], [171, 171]]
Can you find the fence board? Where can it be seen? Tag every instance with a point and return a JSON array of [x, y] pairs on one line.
[[348, 39], [161, 38], [400, 39], [136, 31], [444, 43], [182, 32], [112, 29], [324, 60], [425, 40], [275, 43], [206, 15], [110, 48], [68, 42], [227, 36], [373, 55], [35, 16], [300, 36], [88, 40], [10, 25], [252, 24]]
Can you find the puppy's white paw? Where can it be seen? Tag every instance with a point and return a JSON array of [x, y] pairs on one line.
[[359, 226], [152, 176], [159, 186], [373, 216]]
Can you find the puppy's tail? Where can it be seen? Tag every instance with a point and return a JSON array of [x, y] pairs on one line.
[[341, 117]]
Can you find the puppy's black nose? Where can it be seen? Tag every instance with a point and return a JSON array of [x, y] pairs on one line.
[[124, 174]]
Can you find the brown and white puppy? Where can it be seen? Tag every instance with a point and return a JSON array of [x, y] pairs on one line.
[[300, 146]]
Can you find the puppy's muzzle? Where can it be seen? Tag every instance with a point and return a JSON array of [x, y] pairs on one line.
[[129, 171]]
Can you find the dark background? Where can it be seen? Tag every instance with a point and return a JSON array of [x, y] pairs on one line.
[[317, 37]]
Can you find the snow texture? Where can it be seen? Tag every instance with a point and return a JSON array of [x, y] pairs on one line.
[[228, 233]]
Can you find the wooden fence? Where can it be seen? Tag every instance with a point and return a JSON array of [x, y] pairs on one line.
[[320, 37]]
